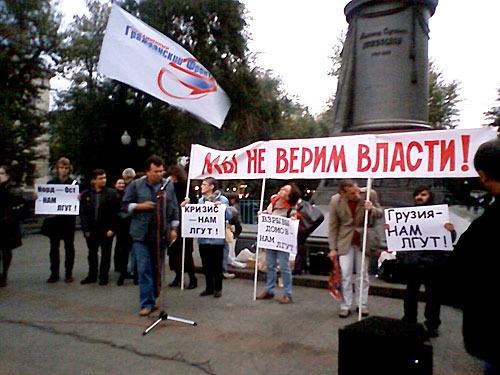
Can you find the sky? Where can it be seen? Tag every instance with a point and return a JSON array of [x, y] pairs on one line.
[[294, 39]]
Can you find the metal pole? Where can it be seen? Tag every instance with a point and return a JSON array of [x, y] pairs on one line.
[[256, 273], [184, 240], [365, 230]]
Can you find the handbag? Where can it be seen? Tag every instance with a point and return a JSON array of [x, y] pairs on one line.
[[311, 217]]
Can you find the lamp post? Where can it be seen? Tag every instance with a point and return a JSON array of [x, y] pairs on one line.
[[125, 138]]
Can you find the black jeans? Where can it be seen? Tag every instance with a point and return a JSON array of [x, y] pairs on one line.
[[94, 241], [69, 248], [211, 260]]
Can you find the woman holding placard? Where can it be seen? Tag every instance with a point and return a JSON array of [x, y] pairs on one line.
[[282, 204], [211, 249]]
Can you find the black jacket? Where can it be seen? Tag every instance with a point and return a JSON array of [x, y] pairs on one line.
[[107, 213], [12, 210], [474, 266]]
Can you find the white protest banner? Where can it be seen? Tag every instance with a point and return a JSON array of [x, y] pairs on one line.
[[55, 199], [277, 233], [436, 153], [418, 228], [140, 56], [203, 220]]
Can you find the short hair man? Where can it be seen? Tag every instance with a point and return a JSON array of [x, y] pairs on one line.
[[345, 227], [148, 199], [61, 227], [474, 265], [99, 208], [424, 267], [128, 175]]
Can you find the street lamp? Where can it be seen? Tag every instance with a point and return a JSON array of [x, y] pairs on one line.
[[125, 138], [141, 142]]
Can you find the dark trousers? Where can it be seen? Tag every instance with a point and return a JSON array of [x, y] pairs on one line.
[[94, 241], [175, 256], [300, 264], [211, 260], [123, 247], [69, 248], [432, 300]]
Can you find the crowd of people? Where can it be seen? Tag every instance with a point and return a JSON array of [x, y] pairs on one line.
[[144, 216]]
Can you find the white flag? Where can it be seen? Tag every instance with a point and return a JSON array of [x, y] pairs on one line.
[[138, 55]]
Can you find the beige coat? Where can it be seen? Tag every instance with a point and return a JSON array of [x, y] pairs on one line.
[[341, 226]]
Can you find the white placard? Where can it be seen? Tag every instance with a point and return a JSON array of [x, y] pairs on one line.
[[277, 233], [418, 228], [203, 220], [56, 199]]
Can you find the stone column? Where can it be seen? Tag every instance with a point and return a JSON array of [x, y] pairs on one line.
[[390, 63]]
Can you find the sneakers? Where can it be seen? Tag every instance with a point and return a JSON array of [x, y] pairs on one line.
[[285, 300], [344, 313], [228, 275], [265, 295]]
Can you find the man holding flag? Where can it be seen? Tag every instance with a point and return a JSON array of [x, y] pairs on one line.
[[345, 233]]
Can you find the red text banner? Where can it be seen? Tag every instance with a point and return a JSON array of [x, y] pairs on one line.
[[440, 153]]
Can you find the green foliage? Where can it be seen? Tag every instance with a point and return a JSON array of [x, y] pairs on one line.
[[95, 111], [443, 100], [29, 38], [493, 115]]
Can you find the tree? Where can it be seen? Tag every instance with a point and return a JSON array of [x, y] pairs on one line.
[[493, 115], [29, 38], [95, 111], [443, 100]]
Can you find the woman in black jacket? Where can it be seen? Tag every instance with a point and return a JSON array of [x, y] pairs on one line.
[[12, 211]]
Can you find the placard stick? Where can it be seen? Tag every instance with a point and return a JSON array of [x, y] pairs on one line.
[[365, 230], [184, 239], [256, 273]]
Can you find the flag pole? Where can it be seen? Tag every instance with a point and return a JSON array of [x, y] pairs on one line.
[[365, 231], [256, 273], [184, 240]]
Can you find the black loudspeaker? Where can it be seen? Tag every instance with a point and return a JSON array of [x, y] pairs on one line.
[[385, 346]]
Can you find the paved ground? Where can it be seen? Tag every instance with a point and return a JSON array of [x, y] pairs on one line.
[[89, 329]]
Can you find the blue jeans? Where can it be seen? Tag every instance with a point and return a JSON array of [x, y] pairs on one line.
[[286, 274], [225, 255], [145, 258]]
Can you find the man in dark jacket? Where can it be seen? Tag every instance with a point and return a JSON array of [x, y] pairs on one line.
[[155, 217], [474, 265], [61, 227], [424, 267], [99, 209]]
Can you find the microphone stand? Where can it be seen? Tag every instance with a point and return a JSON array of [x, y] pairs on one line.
[[161, 201]]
